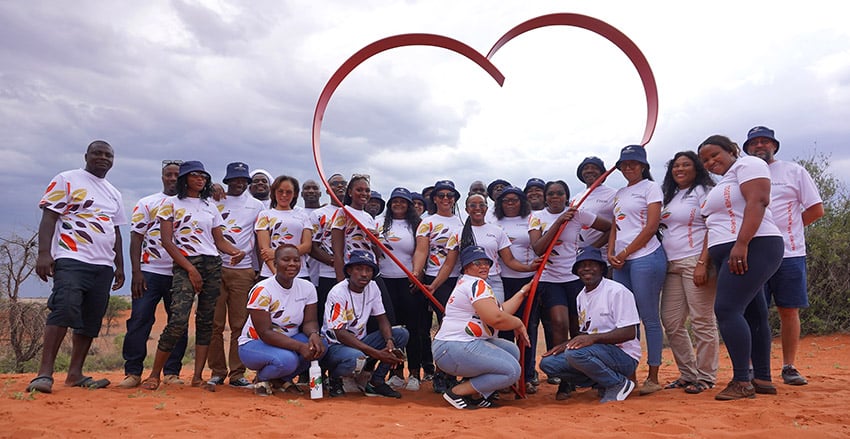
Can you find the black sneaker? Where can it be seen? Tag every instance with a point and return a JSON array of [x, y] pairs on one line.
[[459, 402], [335, 387], [382, 389], [439, 383], [792, 376]]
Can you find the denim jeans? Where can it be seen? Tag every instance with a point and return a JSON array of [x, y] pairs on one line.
[[489, 364], [603, 364], [272, 362], [142, 318], [341, 360], [644, 277]]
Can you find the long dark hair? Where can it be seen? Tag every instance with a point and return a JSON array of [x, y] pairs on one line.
[[183, 188], [671, 188], [410, 217], [467, 237], [279, 181], [524, 206]]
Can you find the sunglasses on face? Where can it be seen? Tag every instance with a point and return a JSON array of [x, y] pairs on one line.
[[443, 195], [340, 183], [197, 174], [171, 162], [481, 263]]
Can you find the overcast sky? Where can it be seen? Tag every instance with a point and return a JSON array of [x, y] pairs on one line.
[[229, 80]]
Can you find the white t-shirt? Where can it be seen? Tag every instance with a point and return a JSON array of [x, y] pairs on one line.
[[401, 241], [285, 306], [792, 191], [355, 237], [559, 266], [461, 322], [601, 203], [443, 233], [347, 310], [89, 208], [724, 205], [312, 264], [193, 220], [492, 239], [609, 306], [321, 220], [239, 215], [516, 228], [154, 258], [631, 205], [284, 227], [685, 225]]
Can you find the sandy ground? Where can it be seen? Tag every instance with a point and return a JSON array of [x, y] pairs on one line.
[[817, 410]]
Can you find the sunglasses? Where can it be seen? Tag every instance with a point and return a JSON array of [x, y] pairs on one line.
[[480, 263], [360, 176], [197, 174], [443, 195], [171, 162]]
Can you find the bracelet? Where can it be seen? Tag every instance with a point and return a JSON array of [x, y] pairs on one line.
[[701, 262]]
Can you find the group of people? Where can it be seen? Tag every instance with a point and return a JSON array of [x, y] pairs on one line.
[[294, 284]]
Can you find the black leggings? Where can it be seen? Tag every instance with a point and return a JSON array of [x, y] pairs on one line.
[[740, 305]]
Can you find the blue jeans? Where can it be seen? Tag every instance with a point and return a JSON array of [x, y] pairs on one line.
[[644, 277], [272, 362], [490, 364], [603, 364], [341, 360], [142, 318]]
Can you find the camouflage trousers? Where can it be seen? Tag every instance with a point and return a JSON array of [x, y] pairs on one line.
[[182, 298]]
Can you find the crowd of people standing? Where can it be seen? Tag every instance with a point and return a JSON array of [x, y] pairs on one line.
[[694, 257]]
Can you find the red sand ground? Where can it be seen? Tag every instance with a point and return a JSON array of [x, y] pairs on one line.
[[817, 410]]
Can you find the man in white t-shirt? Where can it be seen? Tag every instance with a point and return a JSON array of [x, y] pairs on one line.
[[79, 246], [606, 353], [349, 305], [311, 194], [600, 202], [321, 252], [260, 188], [150, 283], [239, 211], [794, 203]]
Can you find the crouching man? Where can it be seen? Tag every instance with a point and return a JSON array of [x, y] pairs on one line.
[[349, 305], [607, 351]]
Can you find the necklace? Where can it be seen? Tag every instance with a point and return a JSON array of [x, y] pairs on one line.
[[354, 308]]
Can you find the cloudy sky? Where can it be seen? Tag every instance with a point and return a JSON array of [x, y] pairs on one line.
[[221, 81]]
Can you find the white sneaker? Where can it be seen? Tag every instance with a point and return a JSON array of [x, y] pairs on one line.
[[396, 382], [412, 384]]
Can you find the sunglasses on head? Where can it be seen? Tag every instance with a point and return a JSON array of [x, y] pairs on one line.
[[171, 162], [360, 176]]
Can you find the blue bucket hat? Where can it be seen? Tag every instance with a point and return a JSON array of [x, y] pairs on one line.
[[590, 253], [362, 257], [534, 182], [492, 186], [633, 152], [512, 190], [236, 170], [404, 194], [760, 131], [192, 166], [473, 253], [590, 161], [444, 185], [416, 196], [375, 195]]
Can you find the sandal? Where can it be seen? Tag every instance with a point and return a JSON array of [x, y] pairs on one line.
[[41, 383], [698, 387], [150, 383], [678, 384]]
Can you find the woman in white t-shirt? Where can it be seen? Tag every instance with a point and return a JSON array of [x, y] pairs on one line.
[[190, 227], [282, 224], [398, 234], [740, 226], [281, 336], [636, 253], [689, 286], [466, 344]]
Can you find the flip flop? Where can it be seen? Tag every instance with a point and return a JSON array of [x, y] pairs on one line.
[[150, 383], [90, 383], [41, 383]]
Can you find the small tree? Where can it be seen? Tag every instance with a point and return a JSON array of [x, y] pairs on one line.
[[113, 310], [25, 320]]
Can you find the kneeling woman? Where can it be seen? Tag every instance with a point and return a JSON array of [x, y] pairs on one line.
[[466, 344], [281, 336]]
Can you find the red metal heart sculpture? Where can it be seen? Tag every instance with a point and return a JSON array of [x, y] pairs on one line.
[[564, 19]]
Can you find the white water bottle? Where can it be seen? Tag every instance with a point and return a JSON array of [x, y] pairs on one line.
[[315, 380]]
